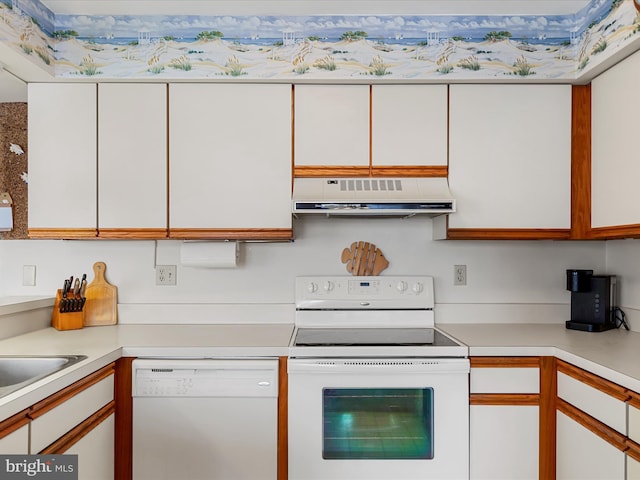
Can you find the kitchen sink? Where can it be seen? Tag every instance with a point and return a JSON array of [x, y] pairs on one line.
[[18, 371]]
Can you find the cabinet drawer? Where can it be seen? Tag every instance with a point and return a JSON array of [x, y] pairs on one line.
[[96, 452], [16, 442], [633, 468], [505, 380], [634, 424], [605, 408], [56, 422]]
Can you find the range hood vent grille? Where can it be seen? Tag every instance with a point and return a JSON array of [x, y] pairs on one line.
[[372, 196], [369, 184]]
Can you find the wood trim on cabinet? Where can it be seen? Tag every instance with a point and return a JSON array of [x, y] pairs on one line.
[[63, 233], [281, 234], [14, 422], [612, 389], [74, 435], [441, 171], [134, 233], [65, 394], [580, 161], [634, 399], [329, 171], [514, 399], [370, 128], [616, 232], [305, 171], [504, 362], [283, 420], [508, 234], [124, 419], [547, 418], [605, 432], [633, 449]]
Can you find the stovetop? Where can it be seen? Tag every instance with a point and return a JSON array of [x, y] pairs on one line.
[[368, 317], [371, 337]]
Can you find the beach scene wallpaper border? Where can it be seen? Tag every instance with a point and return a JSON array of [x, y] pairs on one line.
[[320, 47]]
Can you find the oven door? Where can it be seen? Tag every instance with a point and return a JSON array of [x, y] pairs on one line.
[[387, 419]]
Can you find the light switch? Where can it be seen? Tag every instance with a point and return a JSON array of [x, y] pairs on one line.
[[29, 275]]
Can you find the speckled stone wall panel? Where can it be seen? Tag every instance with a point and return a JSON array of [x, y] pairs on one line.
[[13, 129]]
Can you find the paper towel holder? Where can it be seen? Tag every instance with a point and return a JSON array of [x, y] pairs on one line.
[[209, 254]]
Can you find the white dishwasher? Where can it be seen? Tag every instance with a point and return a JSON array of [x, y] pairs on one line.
[[205, 419]]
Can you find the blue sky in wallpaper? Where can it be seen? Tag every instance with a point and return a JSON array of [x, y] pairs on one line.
[[324, 46], [35, 9], [331, 26]]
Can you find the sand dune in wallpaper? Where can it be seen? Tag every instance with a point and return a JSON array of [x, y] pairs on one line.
[[502, 58], [356, 59], [344, 59]]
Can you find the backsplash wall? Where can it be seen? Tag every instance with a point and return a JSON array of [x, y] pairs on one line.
[[501, 274]]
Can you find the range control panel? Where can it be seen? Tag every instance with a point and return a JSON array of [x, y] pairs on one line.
[[354, 292]]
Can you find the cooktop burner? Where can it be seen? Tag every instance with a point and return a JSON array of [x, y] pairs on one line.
[[365, 337]]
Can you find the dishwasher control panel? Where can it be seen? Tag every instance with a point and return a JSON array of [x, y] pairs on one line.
[[205, 378]]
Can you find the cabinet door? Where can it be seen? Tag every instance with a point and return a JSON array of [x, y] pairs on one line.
[[230, 161], [504, 442], [409, 125], [614, 166], [331, 125], [62, 160], [16, 442], [581, 454], [54, 419], [510, 159], [96, 451], [604, 407], [132, 160]]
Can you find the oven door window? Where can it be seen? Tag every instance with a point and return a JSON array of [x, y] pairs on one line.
[[377, 423]]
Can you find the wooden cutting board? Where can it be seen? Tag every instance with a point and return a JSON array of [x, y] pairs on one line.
[[101, 307]]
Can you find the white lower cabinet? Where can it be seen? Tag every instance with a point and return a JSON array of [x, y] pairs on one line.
[[583, 455], [16, 443], [504, 442], [96, 452], [504, 418], [633, 468], [53, 424]]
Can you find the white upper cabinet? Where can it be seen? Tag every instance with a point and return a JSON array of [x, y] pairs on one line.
[[331, 125], [230, 158], [510, 156], [409, 125], [132, 157], [615, 168], [62, 159]]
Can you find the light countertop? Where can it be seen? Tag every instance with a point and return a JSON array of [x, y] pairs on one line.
[[105, 344], [614, 355]]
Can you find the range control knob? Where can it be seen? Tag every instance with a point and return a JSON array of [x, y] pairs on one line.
[[312, 287], [328, 286], [402, 286], [418, 287]]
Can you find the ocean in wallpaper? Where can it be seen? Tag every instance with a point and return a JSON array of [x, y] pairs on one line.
[[394, 47]]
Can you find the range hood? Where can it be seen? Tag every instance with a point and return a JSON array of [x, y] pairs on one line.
[[372, 196]]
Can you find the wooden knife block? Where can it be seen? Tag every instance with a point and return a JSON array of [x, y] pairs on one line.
[[67, 320]]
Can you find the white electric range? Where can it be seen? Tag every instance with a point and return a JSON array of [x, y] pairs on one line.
[[376, 391]]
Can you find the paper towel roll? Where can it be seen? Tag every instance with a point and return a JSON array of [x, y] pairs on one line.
[[204, 254]]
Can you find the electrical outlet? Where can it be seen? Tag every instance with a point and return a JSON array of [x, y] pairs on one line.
[[459, 274], [165, 274]]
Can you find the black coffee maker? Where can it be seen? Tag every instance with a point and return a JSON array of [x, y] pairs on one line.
[[593, 301]]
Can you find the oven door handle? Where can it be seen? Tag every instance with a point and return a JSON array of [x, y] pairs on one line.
[[378, 365]]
